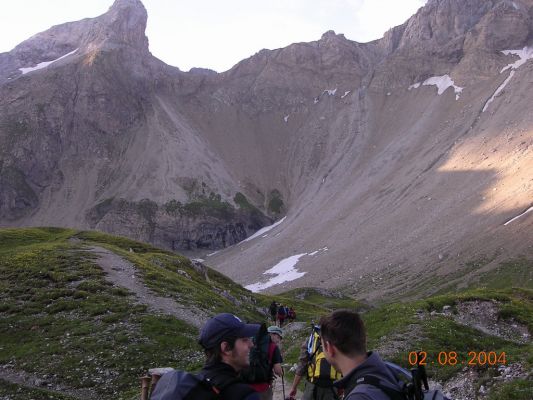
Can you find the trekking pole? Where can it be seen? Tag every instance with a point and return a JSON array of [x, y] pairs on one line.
[[145, 387], [283, 381]]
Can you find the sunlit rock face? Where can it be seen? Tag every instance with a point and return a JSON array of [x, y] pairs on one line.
[[393, 160]]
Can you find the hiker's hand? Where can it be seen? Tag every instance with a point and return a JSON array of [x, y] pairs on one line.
[[292, 393]]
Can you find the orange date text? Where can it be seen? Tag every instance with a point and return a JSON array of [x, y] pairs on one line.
[[473, 358]]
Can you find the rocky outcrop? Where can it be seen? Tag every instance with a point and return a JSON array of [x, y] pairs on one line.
[[198, 225], [446, 34]]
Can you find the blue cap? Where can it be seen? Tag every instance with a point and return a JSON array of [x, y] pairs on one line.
[[225, 326]]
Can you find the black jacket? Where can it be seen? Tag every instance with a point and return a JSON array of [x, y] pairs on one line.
[[225, 378]]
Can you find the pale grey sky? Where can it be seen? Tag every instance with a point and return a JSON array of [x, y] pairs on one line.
[[217, 34]]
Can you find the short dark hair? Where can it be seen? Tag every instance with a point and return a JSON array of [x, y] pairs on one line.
[[345, 330], [214, 354]]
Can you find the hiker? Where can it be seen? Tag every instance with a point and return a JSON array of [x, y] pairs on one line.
[[319, 372], [227, 343], [273, 309], [276, 335], [265, 363], [291, 314], [282, 313], [344, 342]]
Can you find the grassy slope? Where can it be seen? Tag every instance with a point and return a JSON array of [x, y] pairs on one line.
[[60, 317], [440, 333], [62, 321]]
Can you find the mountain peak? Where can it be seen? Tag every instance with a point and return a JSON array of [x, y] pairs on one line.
[[126, 20], [331, 35], [127, 3]]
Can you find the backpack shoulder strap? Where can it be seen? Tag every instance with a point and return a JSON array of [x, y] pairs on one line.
[[376, 382], [233, 388], [315, 337], [271, 349]]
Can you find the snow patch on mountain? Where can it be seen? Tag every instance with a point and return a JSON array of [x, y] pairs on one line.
[[518, 216], [323, 249], [285, 271], [498, 91], [44, 64], [442, 82], [524, 55], [264, 230]]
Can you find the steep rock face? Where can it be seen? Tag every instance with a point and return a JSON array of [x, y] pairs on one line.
[[122, 26], [505, 26], [396, 176], [391, 159], [448, 34], [100, 123]]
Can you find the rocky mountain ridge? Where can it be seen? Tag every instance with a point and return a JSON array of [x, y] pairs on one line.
[[363, 146]]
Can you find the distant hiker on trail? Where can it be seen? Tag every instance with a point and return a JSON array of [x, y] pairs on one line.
[[344, 341], [282, 314], [319, 372], [273, 309], [291, 314], [265, 363]]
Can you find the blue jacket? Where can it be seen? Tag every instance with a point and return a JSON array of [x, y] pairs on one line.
[[372, 366]]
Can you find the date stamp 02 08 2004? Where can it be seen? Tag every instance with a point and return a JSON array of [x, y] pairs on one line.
[[451, 358]]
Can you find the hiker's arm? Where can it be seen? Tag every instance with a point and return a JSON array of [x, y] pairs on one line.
[[277, 369], [301, 370], [295, 383], [276, 361]]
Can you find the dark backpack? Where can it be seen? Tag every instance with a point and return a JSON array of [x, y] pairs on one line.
[[181, 385], [411, 384], [260, 369]]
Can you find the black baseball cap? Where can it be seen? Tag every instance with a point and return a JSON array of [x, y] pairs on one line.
[[225, 326]]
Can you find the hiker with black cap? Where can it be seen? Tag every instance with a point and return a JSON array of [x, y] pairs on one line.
[[227, 342]]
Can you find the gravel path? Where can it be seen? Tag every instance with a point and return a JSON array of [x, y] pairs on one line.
[[22, 378], [124, 274]]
